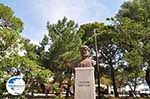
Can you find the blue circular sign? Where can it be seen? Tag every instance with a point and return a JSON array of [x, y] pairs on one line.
[[15, 85]]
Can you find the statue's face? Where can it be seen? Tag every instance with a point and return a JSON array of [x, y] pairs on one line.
[[85, 52]]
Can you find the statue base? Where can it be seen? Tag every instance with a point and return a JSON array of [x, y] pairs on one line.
[[84, 83]]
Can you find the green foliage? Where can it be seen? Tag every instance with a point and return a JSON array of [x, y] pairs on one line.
[[133, 58], [129, 34], [64, 48], [9, 20], [32, 68], [11, 43], [137, 10], [107, 48], [135, 62], [146, 53], [43, 75], [127, 40], [10, 27], [56, 88], [87, 32], [133, 36]]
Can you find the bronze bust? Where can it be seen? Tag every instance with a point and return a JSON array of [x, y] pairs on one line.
[[86, 60]]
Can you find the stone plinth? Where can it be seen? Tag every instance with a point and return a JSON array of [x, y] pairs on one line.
[[84, 83]]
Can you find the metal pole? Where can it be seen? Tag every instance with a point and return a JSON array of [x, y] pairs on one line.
[[97, 66]]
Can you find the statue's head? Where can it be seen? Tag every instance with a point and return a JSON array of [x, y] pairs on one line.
[[85, 51]]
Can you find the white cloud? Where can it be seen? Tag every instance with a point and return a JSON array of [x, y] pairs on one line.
[[82, 11], [79, 10], [36, 13]]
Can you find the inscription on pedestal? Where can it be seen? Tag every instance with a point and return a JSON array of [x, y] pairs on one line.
[[84, 84]]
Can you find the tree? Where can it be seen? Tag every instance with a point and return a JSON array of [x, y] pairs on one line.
[[64, 48], [108, 50], [137, 15], [11, 44], [138, 10], [10, 28]]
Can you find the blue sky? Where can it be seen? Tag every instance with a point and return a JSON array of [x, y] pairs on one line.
[[36, 13]]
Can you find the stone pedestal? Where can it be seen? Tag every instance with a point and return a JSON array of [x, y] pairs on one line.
[[84, 83]]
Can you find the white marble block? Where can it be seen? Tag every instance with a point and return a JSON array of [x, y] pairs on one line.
[[84, 83]]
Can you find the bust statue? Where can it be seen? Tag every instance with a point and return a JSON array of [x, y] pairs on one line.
[[86, 60]]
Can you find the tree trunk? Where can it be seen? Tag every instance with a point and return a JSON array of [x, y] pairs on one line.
[[135, 84], [114, 81], [147, 76], [67, 91], [132, 91]]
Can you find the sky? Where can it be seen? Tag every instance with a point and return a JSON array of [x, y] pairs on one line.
[[36, 13]]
